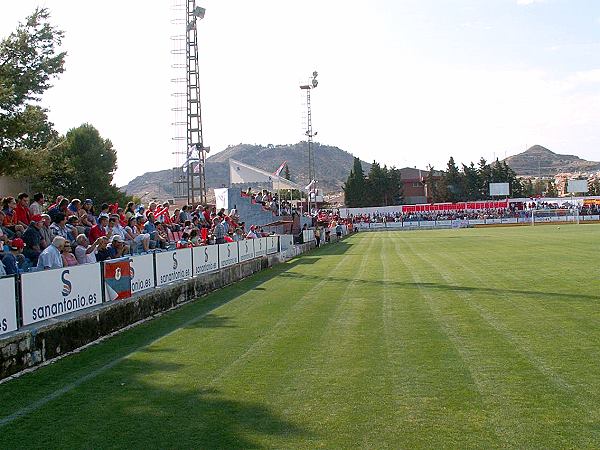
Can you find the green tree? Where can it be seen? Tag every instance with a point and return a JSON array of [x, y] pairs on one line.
[[286, 172], [29, 60], [470, 179], [81, 165], [433, 188], [485, 177], [451, 184], [355, 186], [395, 186]]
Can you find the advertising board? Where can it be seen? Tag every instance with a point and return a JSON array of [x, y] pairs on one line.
[[260, 246], [8, 305], [228, 254], [499, 189], [142, 273], [206, 259], [173, 266], [52, 293], [286, 241], [577, 186], [246, 249], [272, 244]]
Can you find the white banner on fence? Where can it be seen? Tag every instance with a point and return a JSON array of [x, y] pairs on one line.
[[443, 223], [510, 220], [286, 241], [52, 293], [260, 247], [228, 254], [206, 259], [8, 306], [142, 273], [246, 249], [173, 266], [308, 236], [272, 244]]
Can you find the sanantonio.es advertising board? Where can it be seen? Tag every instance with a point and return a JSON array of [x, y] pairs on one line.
[[142, 273], [173, 266], [206, 259], [55, 292], [272, 244], [8, 305], [228, 254], [246, 249], [260, 247]]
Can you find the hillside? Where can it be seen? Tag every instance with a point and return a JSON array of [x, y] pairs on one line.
[[539, 160], [332, 167]]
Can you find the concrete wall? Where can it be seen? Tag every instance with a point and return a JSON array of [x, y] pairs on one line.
[[39, 343], [12, 187]]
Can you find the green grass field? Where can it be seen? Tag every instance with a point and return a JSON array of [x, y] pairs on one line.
[[441, 339]]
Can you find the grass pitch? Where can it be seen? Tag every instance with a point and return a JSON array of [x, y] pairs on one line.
[[455, 338]]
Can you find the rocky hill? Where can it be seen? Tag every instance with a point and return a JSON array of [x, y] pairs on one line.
[[332, 167], [539, 160]]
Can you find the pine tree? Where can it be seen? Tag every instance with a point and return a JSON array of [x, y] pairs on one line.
[[286, 172]]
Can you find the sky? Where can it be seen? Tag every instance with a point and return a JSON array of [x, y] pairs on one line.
[[403, 82]]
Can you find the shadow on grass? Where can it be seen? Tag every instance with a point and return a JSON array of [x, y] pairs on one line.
[[146, 402], [63, 376], [444, 287]]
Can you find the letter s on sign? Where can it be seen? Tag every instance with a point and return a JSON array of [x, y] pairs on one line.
[[175, 260], [67, 286], [205, 254]]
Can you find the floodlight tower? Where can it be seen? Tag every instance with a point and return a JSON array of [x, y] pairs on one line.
[[196, 152], [189, 176], [309, 133]]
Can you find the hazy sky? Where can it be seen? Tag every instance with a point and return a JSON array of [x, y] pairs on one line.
[[405, 82]]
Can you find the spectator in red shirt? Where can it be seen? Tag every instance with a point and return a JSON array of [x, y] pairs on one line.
[[22, 214], [99, 229]]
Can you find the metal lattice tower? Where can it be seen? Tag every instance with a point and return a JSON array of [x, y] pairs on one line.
[[309, 133], [189, 176]]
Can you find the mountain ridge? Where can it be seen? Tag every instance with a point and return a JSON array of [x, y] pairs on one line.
[[332, 167], [538, 160]]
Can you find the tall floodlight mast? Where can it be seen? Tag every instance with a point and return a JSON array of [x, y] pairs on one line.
[[309, 133], [190, 178]]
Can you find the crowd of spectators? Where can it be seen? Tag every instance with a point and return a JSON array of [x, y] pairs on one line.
[[36, 234]]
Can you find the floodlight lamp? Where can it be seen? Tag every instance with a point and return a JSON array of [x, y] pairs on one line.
[[199, 12], [314, 83], [315, 73]]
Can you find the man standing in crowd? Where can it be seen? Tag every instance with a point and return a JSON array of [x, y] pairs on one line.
[[37, 206], [22, 214], [33, 239], [84, 252], [45, 231], [51, 258], [218, 231]]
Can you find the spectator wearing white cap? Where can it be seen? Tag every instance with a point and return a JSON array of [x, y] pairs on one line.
[[117, 247], [51, 257]]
